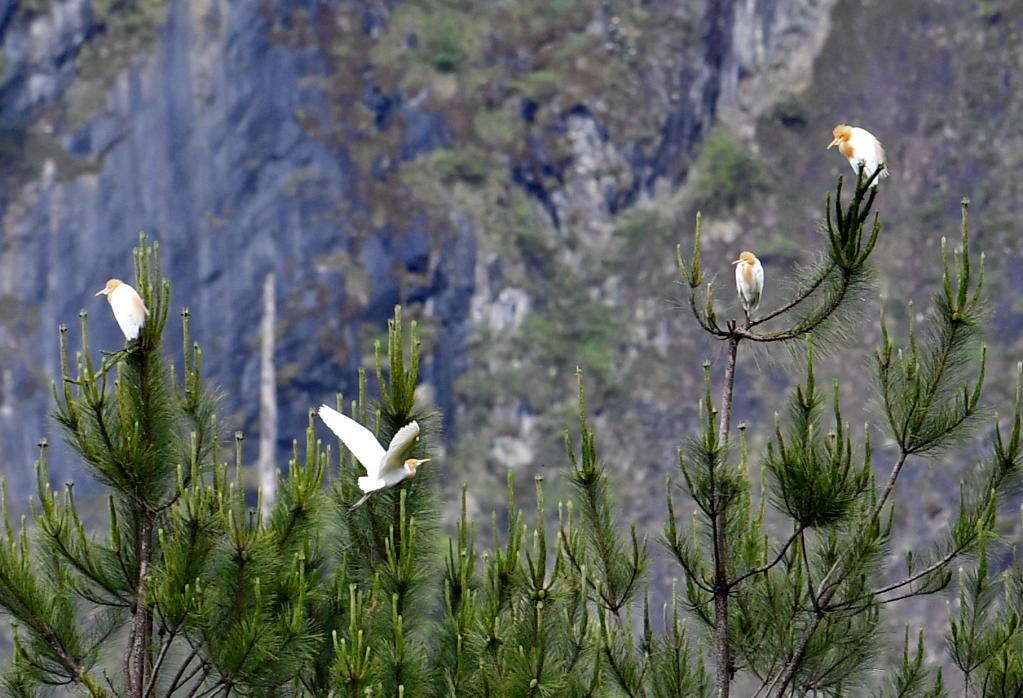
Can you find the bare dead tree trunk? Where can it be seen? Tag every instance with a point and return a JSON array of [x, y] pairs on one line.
[[268, 400]]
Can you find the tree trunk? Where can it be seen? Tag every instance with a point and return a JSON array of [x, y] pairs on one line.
[[723, 653], [142, 620]]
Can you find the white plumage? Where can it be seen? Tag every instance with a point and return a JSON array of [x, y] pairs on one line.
[[129, 310], [860, 146], [749, 281], [383, 468]]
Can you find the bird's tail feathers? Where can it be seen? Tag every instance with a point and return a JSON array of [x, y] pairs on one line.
[[370, 484]]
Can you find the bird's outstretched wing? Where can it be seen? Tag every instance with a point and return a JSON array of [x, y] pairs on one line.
[[356, 438], [400, 445]]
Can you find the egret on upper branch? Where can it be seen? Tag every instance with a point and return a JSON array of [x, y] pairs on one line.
[[860, 147], [129, 310]]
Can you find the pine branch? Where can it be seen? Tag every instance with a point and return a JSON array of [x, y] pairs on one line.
[[917, 427], [767, 567], [843, 271], [807, 289], [180, 678]]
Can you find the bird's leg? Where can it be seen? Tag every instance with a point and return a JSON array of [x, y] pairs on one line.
[[360, 502]]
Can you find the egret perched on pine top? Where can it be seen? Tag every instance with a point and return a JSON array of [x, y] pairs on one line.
[[859, 146], [749, 281], [129, 310], [383, 468]]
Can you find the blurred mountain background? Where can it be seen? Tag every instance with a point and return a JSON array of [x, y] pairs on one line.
[[516, 174]]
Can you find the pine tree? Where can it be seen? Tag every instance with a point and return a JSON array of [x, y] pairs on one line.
[[190, 588], [800, 614]]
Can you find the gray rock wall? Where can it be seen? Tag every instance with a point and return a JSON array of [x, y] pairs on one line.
[[201, 138]]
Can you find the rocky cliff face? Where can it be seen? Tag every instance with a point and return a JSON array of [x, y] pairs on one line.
[[293, 138], [198, 141]]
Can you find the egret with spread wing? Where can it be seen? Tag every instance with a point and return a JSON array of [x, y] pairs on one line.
[[383, 468]]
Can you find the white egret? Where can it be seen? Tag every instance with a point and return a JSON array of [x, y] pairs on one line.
[[383, 468], [129, 310], [749, 281], [859, 146]]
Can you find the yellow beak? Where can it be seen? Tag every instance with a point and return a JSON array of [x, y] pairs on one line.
[[414, 463], [102, 292], [834, 143], [738, 261]]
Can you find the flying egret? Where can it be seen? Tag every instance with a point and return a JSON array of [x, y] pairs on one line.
[[749, 281], [129, 310], [383, 468], [859, 146]]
